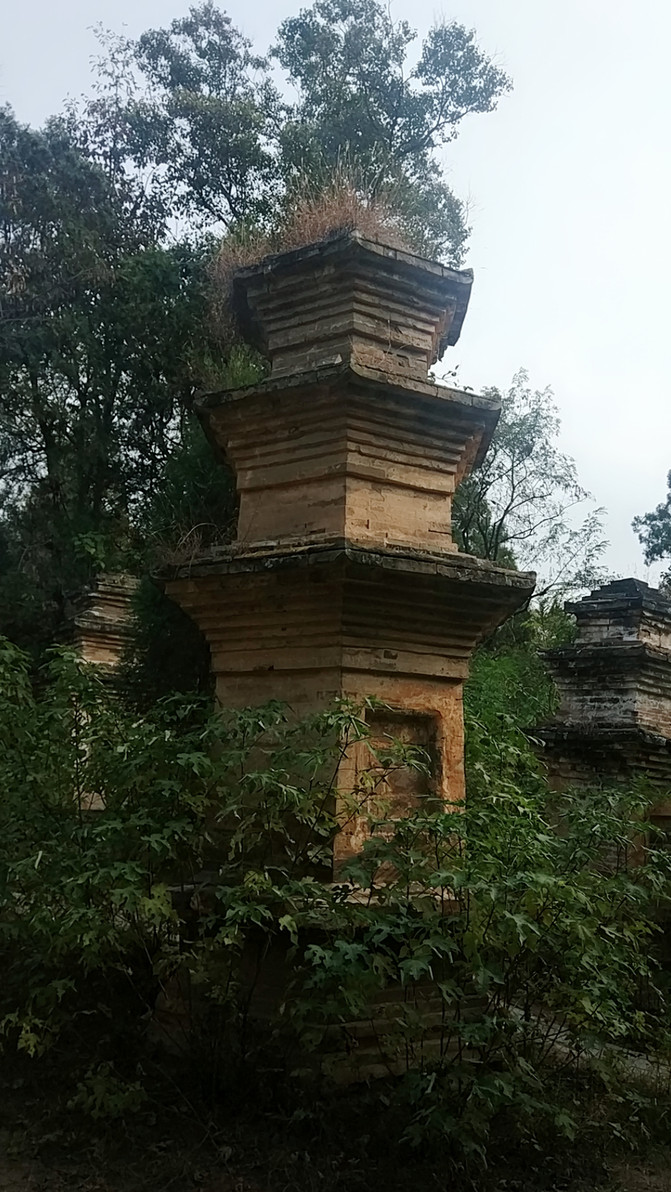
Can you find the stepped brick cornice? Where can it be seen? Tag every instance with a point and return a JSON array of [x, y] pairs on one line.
[[349, 451], [384, 612], [617, 673], [351, 300], [100, 620], [624, 610]]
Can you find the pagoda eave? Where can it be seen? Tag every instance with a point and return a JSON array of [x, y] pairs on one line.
[[338, 604], [482, 412]]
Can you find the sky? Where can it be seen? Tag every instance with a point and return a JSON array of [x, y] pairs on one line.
[[568, 187]]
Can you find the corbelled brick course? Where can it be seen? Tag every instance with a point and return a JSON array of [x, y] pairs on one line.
[[348, 300]]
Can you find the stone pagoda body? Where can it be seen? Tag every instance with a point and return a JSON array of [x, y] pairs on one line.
[[344, 579], [614, 681], [100, 621]]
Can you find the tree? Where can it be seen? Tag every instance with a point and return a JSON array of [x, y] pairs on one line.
[[356, 92], [208, 117], [517, 508], [103, 343], [654, 530], [195, 109]]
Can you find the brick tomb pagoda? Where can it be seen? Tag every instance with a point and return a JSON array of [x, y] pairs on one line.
[[344, 579]]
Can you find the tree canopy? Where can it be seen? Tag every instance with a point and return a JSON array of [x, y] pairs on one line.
[[654, 530], [194, 111], [103, 343], [349, 63], [524, 505]]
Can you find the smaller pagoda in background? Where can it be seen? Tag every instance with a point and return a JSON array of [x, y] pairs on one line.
[[99, 621], [614, 719]]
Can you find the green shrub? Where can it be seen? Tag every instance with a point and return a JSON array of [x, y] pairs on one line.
[[142, 853]]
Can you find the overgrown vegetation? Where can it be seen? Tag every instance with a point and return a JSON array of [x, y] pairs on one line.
[[524, 506], [150, 864]]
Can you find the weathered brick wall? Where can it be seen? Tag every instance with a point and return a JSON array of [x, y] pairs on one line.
[[618, 671]]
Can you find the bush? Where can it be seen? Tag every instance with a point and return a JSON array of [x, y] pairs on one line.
[[178, 849]]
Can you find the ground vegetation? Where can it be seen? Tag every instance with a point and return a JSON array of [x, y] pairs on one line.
[[146, 854]]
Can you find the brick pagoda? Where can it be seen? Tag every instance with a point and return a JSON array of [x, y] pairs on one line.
[[99, 621], [344, 579], [614, 718]]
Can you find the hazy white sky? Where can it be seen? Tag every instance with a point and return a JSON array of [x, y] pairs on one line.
[[569, 186]]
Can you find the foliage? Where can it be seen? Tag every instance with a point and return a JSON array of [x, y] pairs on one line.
[[103, 343], [206, 118], [165, 654], [83, 910], [349, 62], [177, 849], [194, 112], [509, 690], [654, 530], [518, 507]]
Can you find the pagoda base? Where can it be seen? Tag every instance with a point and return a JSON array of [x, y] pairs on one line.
[[306, 626], [577, 755]]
